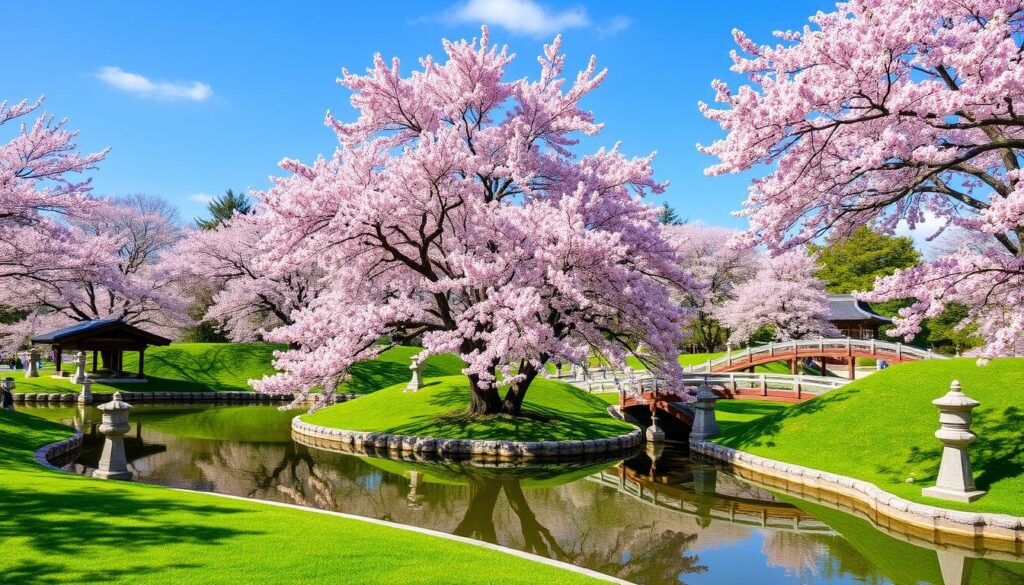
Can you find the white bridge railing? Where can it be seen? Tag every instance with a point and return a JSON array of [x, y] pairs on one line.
[[823, 346], [608, 381]]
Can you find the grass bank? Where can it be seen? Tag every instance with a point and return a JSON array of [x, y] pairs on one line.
[[228, 367], [60, 528], [880, 429], [558, 412]]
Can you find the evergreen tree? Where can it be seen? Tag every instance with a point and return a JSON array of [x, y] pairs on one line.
[[853, 263], [223, 208], [668, 216]]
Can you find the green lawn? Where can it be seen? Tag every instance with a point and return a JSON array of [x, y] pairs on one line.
[[226, 367], [60, 528], [880, 429], [566, 413]]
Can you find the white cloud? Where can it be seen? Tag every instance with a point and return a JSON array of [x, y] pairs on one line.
[[201, 198], [614, 25], [521, 16], [116, 77]]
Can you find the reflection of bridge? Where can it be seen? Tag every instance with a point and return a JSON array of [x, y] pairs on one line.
[[711, 505]]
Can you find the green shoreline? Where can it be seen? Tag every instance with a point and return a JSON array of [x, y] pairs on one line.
[[65, 528]]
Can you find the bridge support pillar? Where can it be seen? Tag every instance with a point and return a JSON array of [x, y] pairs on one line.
[[851, 368], [704, 424], [792, 366]]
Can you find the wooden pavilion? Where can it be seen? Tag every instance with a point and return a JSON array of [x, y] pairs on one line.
[[854, 318], [107, 337]]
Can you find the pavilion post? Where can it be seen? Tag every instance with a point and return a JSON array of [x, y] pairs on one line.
[[95, 361], [56, 358], [142, 363]]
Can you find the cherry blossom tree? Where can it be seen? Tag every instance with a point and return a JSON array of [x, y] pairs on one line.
[[251, 297], [455, 211], [785, 296], [719, 268], [128, 235], [38, 193], [881, 112]]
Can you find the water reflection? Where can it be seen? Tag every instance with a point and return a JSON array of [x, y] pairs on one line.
[[658, 518]]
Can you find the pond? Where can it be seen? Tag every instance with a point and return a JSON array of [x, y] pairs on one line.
[[666, 520]]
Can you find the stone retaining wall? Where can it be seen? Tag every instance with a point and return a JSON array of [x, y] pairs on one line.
[[46, 454], [465, 448], [70, 398], [881, 504]]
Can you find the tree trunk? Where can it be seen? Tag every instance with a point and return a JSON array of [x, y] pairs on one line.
[[513, 403], [483, 400]]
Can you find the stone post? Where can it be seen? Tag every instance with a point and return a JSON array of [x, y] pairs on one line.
[[85, 397], [8, 384], [32, 367], [704, 424], [79, 368], [654, 433], [417, 378], [956, 480], [113, 462]]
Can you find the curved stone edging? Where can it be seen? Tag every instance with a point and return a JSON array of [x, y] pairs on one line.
[[44, 454], [467, 447], [71, 398], [47, 453], [983, 525]]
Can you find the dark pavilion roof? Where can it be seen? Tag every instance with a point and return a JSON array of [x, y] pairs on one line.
[[100, 327], [847, 308]]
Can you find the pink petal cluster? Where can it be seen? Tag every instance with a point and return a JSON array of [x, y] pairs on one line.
[[784, 295], [882, 112], [112, 268], [250, 298], [455, 213]]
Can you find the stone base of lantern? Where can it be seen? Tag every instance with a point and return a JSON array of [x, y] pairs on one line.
[[119, 475], [952, 495]]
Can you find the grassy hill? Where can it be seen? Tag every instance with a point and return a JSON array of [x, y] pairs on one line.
[[880, 429], [226, 367], [561, 412]]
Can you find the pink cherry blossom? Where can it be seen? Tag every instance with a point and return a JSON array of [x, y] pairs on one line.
[[455, 212], [784, 295], [251, 298], [888, 112]]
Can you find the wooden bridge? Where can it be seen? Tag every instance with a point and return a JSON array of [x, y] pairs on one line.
[[725, 375], [845, 350]]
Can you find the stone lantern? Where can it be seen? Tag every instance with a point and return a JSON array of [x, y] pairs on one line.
[[113, 463], [8, 384], [85, 397], [32, 367], [417, 378], [956, 480], [79, 368], [704, 424]]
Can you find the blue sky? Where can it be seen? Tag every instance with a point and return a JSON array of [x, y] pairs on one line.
[[197, 97]]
